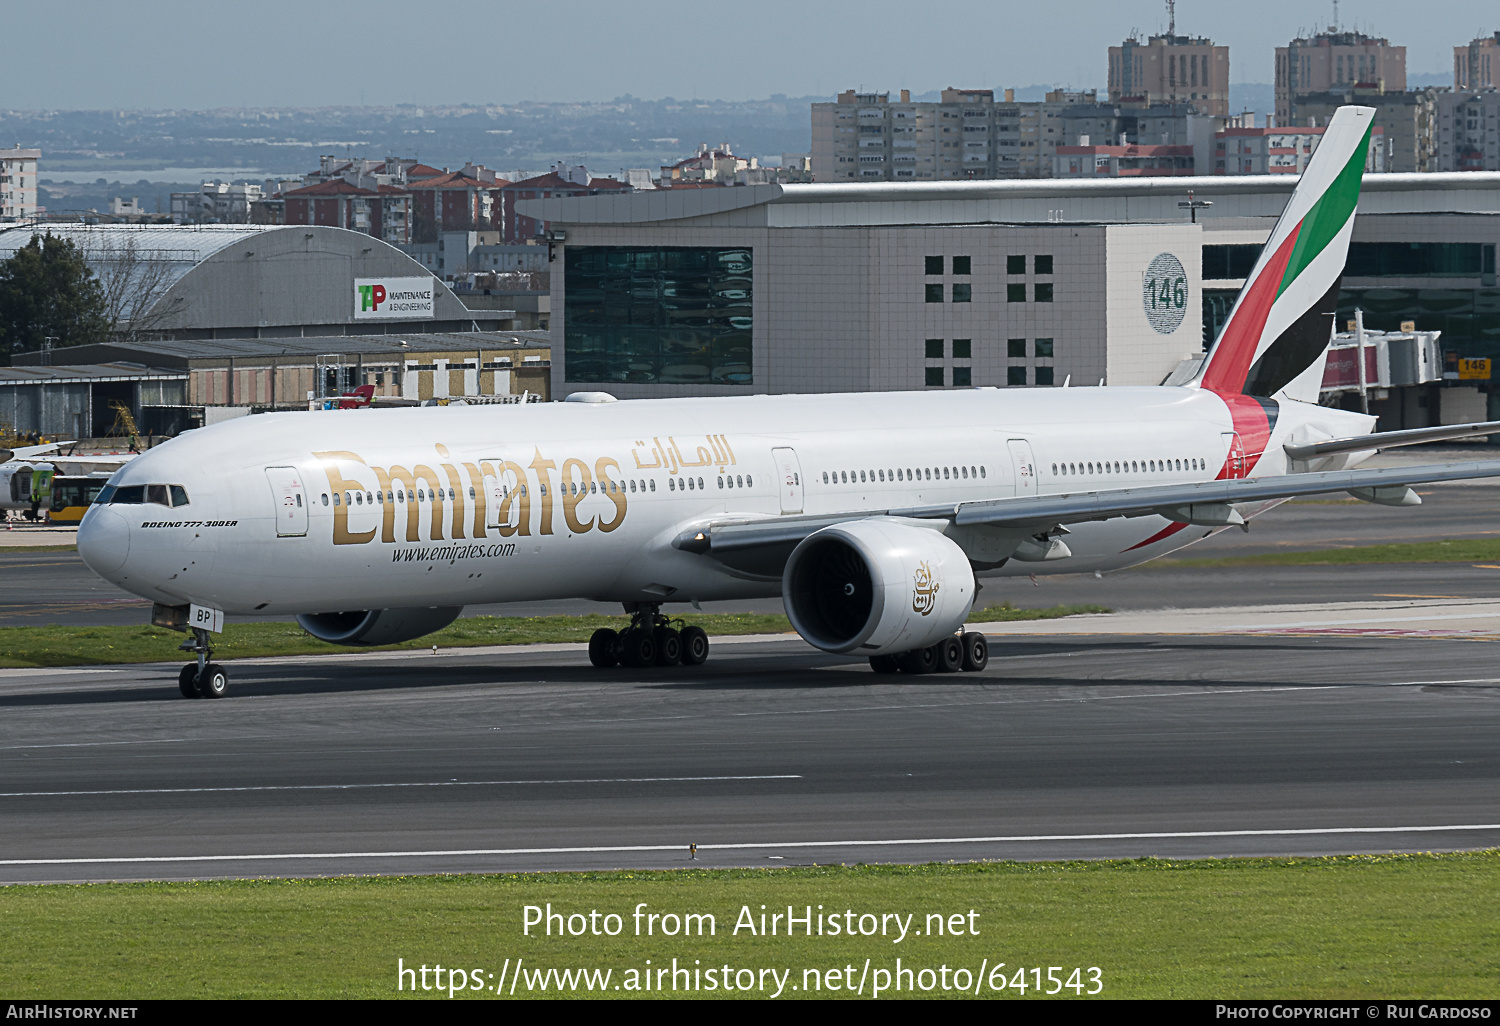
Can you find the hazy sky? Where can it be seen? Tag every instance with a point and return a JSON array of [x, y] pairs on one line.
[[90, 54]]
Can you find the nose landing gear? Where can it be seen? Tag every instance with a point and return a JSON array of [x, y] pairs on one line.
[[202, 679], [650, 640]]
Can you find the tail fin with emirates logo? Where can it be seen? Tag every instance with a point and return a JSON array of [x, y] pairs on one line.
[[1276, 339]]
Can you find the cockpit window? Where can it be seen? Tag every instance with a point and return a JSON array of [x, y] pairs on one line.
[[106, 494], [162, 495]]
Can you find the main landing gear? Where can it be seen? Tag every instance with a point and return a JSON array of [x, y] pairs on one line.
[[650, 640], [969, 651], [202, 679]]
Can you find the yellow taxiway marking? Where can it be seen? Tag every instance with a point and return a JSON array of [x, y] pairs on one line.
[[1486, 566]]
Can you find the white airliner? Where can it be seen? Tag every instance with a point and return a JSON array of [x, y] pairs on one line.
[[869, 514]]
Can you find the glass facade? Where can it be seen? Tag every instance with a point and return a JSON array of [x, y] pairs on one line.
[[1468, 318], [1374, 260], [675, 314]]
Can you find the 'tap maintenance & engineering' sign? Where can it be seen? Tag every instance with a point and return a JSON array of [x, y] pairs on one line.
[[394, 299]]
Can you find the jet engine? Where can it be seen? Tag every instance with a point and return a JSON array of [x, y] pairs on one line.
[[877, 586], [378, 626]]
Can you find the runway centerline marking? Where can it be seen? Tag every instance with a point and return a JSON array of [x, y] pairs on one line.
[[420, 783], [609, 849]]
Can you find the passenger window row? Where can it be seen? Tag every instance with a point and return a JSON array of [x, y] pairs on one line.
[[907, 474], [1127, 467], [401, 495], [170, 496]]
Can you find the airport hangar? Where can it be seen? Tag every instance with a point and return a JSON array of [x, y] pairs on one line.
[[172, 385], [259, 281], [848, 287]]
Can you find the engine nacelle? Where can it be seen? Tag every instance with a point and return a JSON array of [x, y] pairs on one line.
[[378, 626], [877, 586]]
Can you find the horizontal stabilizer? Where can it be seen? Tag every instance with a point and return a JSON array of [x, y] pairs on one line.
[[1390, 439]]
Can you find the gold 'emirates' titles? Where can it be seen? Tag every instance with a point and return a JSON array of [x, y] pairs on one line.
[[497, 485]]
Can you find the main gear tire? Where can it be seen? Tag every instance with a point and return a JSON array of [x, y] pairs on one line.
[[668, 647], [885, 663], [919, 660], [694, 646], [604, 648], [976, 651], [637, 648], [950, 654]]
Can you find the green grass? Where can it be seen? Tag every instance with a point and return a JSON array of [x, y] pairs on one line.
[[1468, 550], [57, 645], [37, 548], [1394, 926]]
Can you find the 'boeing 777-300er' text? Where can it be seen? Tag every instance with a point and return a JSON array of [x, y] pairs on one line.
[[869, 514]]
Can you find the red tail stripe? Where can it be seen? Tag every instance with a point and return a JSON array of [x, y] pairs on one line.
[[1253, 425], [1229, 363]]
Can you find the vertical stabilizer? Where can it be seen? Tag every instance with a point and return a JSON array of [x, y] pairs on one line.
[[1282, 322]]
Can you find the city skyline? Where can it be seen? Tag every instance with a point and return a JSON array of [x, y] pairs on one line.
[[341, 54]]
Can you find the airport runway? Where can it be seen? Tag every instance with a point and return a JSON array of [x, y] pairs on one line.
[[1354, 709], [1069, 745]]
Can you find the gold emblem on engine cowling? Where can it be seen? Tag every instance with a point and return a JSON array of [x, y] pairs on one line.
[[924, 590]]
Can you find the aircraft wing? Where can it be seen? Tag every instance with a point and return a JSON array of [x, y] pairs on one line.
[[28, 452], [1202, 502]]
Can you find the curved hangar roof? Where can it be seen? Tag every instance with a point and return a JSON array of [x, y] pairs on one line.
[[234, 279]]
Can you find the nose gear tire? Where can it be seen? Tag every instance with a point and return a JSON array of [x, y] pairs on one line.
[[214, 683], [187, 681]]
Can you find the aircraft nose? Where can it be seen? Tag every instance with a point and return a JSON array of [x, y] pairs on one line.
[[104, 540]]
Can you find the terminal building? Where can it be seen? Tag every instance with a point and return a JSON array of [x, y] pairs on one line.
[[842, 287]]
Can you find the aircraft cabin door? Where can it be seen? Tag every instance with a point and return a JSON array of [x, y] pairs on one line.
[[789, 479], [1024, 466], [1234, 462], [291, 501], [498, 488]]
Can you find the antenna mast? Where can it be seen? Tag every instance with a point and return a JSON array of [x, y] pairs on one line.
[[1172, 16]]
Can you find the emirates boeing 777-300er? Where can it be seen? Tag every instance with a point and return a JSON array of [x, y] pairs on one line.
[[869, 514]]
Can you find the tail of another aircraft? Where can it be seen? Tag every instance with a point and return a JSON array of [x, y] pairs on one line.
[[1282, 322]]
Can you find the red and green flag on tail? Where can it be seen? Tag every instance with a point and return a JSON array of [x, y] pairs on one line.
[[1282, 321]]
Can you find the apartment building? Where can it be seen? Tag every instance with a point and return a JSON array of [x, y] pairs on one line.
[[966, 134], [18, 184], [1279, 151], [1477, 65], [1334, 61], [1467, 134], [1170, 69], [1405, 119]]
